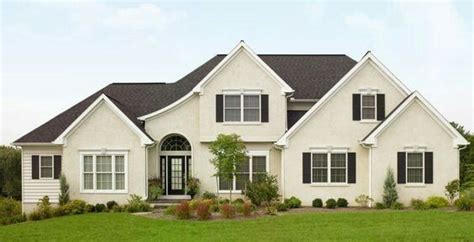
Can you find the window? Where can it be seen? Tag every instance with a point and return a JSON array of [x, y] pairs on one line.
[[104, 172], [242, 108], [329, 168], [251, 169], [368, 107], [46, 167], [415, 166]]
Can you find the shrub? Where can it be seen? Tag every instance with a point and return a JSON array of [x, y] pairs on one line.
[[90, 208], [64, 190], [209, 195], [397, 206], [111, 204], [35, 215], [363, 200], [136, 204], [380, 206], [293, 202], [154, 192], [452, 190], [317, 203], [463, 203], [238, 200], [390, 194], [171, 210], [9, 207], [437, 202], [57, 211], [193, 186], [331, 203], [13, 219], [281, 207], [227, 210], [183, 211], [117, 209], [418, 204], [100, 207], [247, 209], [193, 204], [342, 203], [202, 211], [75, 207], [44, 207], [272, 209], [263, 191], [238, 207], [214, 208]]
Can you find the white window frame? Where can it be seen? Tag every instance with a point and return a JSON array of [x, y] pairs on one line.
[[422, 168], [329, 182], [94, 155], [52, 168], [243, 93], [362, 106], [250, 154]]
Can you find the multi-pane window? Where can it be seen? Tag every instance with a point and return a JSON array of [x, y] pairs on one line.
[[415, 167], [368, 106], [241, 108], [251, 169], [329, 167], [46, 167], [103, 172]]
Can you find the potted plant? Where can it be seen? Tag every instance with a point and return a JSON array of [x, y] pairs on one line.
[[193, 186]]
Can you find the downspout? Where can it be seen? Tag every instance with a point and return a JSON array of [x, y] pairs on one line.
[[459, 159], [282, 167], [370, 171], [146, 169]]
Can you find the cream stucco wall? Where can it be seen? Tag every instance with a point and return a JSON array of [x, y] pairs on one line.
[[333, 126], [103, 129], [415, 127], [242, 73]]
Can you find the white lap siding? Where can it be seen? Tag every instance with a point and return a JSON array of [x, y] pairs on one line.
[[34, 189]]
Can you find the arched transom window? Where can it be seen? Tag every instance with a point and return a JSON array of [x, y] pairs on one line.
[[175, 143]]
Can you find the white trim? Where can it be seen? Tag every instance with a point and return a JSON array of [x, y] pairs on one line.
[[328, 168], [199, 88], [242, 94], [422, 183], [62, 139], [458, 139], [94, 154], [40, 166], [283, 141], [33, 144], [366, 120]]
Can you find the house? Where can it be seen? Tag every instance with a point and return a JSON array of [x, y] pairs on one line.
[[325, 125]]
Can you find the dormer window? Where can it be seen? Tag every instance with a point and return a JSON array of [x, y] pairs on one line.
[[244, 107], [368, 107]]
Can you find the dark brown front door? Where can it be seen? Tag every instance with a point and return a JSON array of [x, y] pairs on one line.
[[176, 175]]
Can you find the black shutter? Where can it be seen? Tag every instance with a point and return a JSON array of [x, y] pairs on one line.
[[380, 106], [401, 177], [264, 111], [429, 167], [355, 106], [219, 108], [57, 166], [306, 167], [351, 166], [34, 167]]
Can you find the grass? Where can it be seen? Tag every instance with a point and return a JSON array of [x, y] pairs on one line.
[[367, 225]]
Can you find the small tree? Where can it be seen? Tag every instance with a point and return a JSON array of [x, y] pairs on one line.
[[229, 151], [64, 189], [264, 191], [390, 194], [452, 190]]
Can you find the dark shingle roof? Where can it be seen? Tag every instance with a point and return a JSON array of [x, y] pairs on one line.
[[311, 76]]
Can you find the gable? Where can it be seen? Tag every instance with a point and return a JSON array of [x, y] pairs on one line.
[[368, 74]]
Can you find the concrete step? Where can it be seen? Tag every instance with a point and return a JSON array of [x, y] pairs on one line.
[[163, 203]]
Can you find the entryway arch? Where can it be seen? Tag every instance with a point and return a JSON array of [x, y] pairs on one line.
[[175, 163]]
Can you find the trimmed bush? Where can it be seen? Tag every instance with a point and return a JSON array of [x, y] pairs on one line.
[[136, 204], [282, 207], [342, 203], [44, 207], [227, 210], [117, 209], [247, 209], [214, 208], [293, 202], [75, 207], [397, 206], [263, 191], [100, 207], [13, 219], [380, 206], [111, 204], [331, 203], [183, 211], [437, 202], [238, 200], [202, 211], [35, 215], [224, 201], [463, 203], [363, 200], [317, 203], [171, 210], [90, 208], [57, 211], [209, 195], [418, 204], [9, 207]]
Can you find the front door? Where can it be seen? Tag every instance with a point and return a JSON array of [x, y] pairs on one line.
[[176, 175]]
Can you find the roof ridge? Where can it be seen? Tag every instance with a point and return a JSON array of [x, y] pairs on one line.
[[296, 54], [137, 83]]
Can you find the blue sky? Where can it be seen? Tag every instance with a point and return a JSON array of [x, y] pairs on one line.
[[55, 54]]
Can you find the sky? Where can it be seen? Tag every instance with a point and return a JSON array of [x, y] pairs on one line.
[[54, 54]]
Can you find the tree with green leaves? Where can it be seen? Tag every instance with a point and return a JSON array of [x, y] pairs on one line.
[[229, 152], [466, 157], [390, 194], [64, 190], [10, 172]]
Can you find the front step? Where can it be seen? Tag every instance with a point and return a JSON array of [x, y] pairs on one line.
[[164, 203]]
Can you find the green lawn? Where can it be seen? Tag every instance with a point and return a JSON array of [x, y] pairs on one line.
[[368, 225]]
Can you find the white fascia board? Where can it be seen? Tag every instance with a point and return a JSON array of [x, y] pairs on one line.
[[170, 107], [458, 139], [242, 46], [283, 141], [144, 139]]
